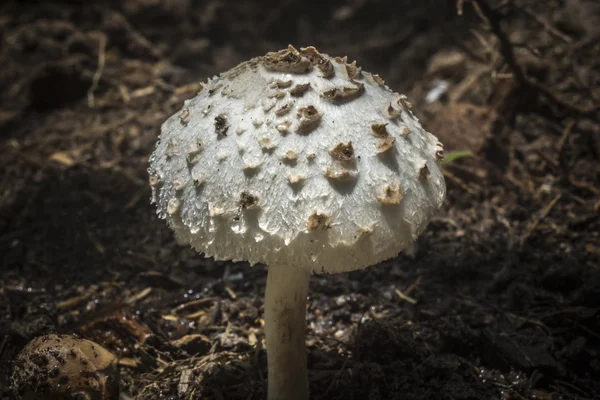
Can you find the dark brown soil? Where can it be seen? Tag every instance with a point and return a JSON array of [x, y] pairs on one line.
[[499, 299]]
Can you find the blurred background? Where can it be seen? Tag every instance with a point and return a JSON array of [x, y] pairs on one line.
[[499, 299]]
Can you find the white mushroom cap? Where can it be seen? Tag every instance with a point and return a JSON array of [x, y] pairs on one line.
[[297, 158]]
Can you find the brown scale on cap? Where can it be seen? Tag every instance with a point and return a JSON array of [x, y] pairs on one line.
[[170, 152], [193, 150], [344, 94], [279, 84], [184, 116], [197, 179], [340, 175], [290, 156], [317, 59], [154, 180], [198, 182], [173, 206], [216, 212], [237, 71], [439, 153], [392, 113], [248, 201], [268, 104], [366, 230], [288, 60], [353, 70], [295, 179], [221, 125], [318, 222], [266, 143], [178, 185], [385, 144], [326, 69], [424, 173], [211, 92], [251, 168], [403, 101], [405, 132], [283, 126], [378, 80], [380, 130], [299, 89], [311, 156], [391, 195], [278, 94], [284, 109], [309, 118], [227, 91], [342, 152]]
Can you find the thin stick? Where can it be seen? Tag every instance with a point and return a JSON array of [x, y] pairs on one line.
[[459, 182], [565, 136], [547, 25], [537, 221], [406, 298], [99, 68], [507, 51]]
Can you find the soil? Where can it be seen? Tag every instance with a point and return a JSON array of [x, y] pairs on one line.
[[499, 299]]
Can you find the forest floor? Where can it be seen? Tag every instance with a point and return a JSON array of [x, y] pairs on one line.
[[499, 299]]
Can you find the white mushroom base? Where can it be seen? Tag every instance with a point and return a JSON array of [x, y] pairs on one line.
[[285, 325]]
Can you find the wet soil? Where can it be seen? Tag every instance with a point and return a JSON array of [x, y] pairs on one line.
[[499, 299]]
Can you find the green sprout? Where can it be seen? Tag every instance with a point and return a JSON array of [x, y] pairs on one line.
[[455, 155]]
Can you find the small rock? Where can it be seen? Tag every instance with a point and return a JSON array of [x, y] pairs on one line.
[[65, 367]]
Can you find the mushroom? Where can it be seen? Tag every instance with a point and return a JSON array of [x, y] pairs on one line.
[[325, 225], [65, 367]]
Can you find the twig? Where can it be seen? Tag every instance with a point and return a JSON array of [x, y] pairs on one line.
[[572, 387], [138, 296], [458, 181], [230, 292], [565, 136], [99, 69], [583, 185], [413, 286], [507, 51], [336, 377], [547, 25], [75, 301], [537, 221], [404, 297], [135, 35], [506, 48], [581, 81], [591, 110]]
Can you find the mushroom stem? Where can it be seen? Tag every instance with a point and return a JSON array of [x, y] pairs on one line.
[[285, 323]]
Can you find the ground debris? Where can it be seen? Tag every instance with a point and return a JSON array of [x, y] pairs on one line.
[[499, 297]]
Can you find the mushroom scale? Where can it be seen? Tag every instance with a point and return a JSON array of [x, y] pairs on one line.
[[302, 117]]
